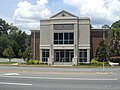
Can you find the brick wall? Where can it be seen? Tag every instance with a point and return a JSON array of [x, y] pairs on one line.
[[35, 42], [96, 36]]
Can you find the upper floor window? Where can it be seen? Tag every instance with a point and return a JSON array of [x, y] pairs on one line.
[[64, 38], [63, 26]]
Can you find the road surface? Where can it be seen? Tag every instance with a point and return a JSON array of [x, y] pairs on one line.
[[38, 78]]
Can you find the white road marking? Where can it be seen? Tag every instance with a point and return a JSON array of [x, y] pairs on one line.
[[10, 74], [54, 78], [8, 83]]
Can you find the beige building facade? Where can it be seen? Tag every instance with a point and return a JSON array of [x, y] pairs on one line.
[[65, 39]]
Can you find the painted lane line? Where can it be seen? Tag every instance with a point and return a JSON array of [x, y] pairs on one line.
[[53, 78], [8, 83], [10, 74]]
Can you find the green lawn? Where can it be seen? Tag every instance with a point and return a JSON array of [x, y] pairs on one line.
[[8, 62]]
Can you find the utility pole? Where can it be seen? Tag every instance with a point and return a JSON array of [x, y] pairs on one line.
[[103, 33]]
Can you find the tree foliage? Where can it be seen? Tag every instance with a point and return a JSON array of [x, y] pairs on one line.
[[105, 26], [101, 52], [116, 24], [114, 38], [27, 54], [20, 53], [9, 53], [12, 36], [4, 27]]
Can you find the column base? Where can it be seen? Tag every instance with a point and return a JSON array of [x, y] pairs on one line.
[[50, 61], [75, 61]]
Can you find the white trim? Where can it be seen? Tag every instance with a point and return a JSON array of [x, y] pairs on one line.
[[84, 47], [63, 46], [44, 45]]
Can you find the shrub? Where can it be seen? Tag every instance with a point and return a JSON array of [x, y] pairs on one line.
[[33, 62], [30, 62], [96, 63], [36, 61], [43, 63]]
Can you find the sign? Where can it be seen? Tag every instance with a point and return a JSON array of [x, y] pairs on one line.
[[63, 26]]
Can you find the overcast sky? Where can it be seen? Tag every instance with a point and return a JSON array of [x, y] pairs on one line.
[[26, 14]]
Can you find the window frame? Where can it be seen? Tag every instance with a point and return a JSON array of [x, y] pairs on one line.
[[45, 56], [83, 55]]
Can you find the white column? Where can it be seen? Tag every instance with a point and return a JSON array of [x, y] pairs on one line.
[[40, 55], [75, 59], [51, 54], [88, 55], [51, 51]]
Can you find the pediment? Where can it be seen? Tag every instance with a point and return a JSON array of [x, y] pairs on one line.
[[63, 14]]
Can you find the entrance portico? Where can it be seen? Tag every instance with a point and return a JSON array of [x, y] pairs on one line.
[[63, 55]]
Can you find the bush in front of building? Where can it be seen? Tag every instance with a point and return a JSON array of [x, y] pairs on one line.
[[33, 62], [94, 62], [43, 63]]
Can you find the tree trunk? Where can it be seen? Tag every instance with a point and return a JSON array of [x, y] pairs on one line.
[[9, 59]]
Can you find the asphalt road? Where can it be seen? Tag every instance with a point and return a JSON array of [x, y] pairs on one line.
[[38, 78]]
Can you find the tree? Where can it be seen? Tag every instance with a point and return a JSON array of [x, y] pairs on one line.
[[19, 38], [4, 27], [19, 53], [8, 52], [12, 36], [27, 54], [105, 26], [114, 38], [4, 41], [116, 24], [101, 52]]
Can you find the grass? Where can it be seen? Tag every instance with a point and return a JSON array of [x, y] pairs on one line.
[[8, 62]]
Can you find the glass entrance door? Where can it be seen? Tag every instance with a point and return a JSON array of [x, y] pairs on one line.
[[64, 55]]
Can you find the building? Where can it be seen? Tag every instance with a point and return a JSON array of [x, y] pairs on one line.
[[66, 39], [35, 42]]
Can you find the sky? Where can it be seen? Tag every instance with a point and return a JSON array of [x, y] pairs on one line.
[[26, 14]]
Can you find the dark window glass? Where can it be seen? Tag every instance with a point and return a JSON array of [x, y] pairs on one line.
[[63, 38], [66, 36], [60, 36], [65, 42], [60, 42], [83, 55], [45, 55], [55, 36], [71, 42], [56, 42], [71, 36]]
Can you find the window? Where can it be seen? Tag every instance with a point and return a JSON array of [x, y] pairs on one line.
[[45, 55], [83, 55], [64, 38]]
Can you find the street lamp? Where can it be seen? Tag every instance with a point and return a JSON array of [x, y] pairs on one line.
[[103, 28]]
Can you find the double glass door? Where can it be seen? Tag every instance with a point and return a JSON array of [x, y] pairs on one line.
[[64, 55]]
